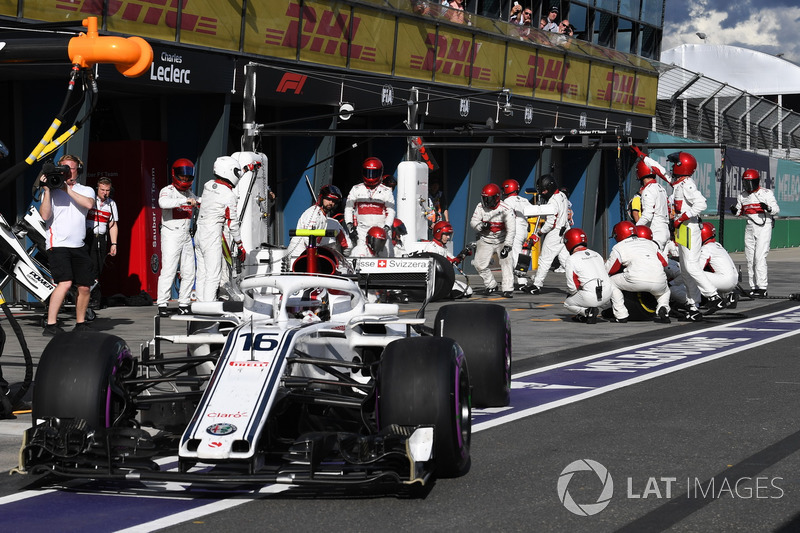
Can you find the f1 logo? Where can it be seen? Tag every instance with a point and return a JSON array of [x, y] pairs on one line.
[[293, 82]]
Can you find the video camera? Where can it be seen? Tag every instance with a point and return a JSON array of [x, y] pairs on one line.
[[56, 174]]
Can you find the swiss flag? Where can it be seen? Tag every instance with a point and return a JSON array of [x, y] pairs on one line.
[[382, 263]]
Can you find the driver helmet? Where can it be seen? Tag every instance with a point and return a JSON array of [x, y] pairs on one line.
[[182, 174], [310, 302]]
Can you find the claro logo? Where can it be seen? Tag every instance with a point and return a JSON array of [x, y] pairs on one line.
[[547, 75], [322, 31], [153, 12], [451, 56]]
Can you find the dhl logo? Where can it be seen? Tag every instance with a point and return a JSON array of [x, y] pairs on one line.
[[621, 89], [326, 32], [454, 58], [155, 12], [547, 75]]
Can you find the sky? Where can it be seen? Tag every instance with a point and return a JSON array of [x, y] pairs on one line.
[[769, 26]]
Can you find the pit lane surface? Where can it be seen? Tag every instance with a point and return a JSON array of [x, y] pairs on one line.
[[709, 446]]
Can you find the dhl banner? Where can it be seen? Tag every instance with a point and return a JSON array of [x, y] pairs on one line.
[[413, 59], [362, 39], [8, 8]]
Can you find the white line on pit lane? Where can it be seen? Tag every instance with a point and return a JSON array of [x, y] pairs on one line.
[[517, 415]]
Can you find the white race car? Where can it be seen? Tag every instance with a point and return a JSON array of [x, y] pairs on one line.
[[309, 384]]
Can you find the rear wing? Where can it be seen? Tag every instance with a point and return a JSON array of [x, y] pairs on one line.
[[404, 273]]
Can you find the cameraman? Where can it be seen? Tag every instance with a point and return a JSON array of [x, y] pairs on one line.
[[64, 209]]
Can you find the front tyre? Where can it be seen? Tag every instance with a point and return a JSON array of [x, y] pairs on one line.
[[425, 381], [79, 376]]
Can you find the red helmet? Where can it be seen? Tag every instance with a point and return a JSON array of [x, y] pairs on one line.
[[441, 228], [683, 164], [376, 239], [398, 230], [573, 238], [708, 233], [490, 196], [750, 180], [643, 171], [372, 172], [643, 232], [623, 230], [182, 174], [330, 192], [510, 188]]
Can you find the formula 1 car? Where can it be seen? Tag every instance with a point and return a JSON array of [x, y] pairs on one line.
[[311, 385]]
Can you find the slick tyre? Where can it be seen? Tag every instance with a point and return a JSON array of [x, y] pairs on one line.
[[484, 333], [79, 377], [424, 381]]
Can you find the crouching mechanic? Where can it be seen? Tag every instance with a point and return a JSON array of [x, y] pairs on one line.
[[636, 265], [374, 245], [218, 209], [718, 265], [759, 206], [442, 234], [494, 222], [319, 216], [588, 283]]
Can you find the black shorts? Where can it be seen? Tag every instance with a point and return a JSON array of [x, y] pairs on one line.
[[71, 264]]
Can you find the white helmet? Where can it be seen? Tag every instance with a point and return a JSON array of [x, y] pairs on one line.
[[227, 168]]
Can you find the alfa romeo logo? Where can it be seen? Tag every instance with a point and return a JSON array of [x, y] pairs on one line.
[[586, 509]]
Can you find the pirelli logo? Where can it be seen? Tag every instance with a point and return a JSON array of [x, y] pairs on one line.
[[547, 75], [621, 89], [154, 12], [451, 56], [322, 31]]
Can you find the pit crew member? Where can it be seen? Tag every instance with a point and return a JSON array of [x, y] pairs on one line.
[[370, 203], [636, 265], [759, 206], [588, 284], [718, 265], [654, 212], [494, 221], [374, 245], [555, 226], [518, 204], [319, 216], [177, 203]]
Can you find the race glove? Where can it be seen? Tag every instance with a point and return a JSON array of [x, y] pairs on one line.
[[505, 251], [255, 165], [485, 226], [241, 253], [680, 220], [351, 229], [733, 210], [765, 207]]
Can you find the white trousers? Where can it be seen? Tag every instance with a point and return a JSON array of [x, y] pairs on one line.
[[176, 249]]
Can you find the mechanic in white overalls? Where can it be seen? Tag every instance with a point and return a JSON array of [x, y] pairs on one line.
[[218, 209], [373, 245], [319, 216], [442, 234], [718, 265], [370, 203], [554, 228], [494, 221], [588, 284], [759, 206], [518, 204], [653, 206], [177, 203]]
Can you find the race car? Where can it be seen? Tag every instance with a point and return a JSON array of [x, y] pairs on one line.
[[309, 384]]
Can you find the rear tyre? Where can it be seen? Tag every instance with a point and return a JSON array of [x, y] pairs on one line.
[[425, 381], [484, 333], [78, 376], [443, 277]]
